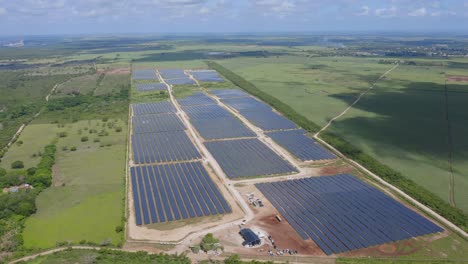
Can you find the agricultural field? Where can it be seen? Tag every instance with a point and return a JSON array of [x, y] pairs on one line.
[[391, 122]]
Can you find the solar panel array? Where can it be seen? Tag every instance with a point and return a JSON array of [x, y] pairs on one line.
[[146, 74], [300, 145], [207, 76], [157, 123], [170, 146], [341, 213], [181, 81], [229, 93], [246, 104], [153, 108], [143, 87], [169, 192], [198, 98], [215, 122], [247, 157], [259, 113], [172, 74]]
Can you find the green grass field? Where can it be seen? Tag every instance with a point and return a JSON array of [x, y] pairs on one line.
[[34, 138], [111, 83], [85, 201], [80, 85], [401, 122]]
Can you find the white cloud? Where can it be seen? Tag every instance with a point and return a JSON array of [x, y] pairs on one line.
[[280, 8], [418, 12], [365, 11], [2, 11], [386, 12]]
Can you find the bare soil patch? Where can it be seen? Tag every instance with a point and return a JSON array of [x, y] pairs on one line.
[[457, 78], [114, 71]]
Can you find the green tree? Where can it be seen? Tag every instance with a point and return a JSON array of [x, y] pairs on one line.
[[17, 164]]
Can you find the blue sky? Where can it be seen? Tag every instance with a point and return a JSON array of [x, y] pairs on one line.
[[24, 17]]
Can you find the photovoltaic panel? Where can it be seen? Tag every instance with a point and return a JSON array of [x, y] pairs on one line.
[[300, 145], [229, 93], [246, 104], [247, 157], [268, 120], [172, 74], [153, 108], [181, 81], [215, 122], [341, 213], [143, 87], [198, 98], [207, 76], [175, 191], [157, 123], [159, 147], [145, 74]]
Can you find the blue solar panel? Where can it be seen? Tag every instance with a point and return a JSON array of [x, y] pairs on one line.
[[144, 87], [163, 147], [301, 146], [182, 81], [153, 108], [172, 73], [197, 98], [156, 123], [177, 191], [229, 93], [146, 74], [207, 76], [246, 104], [247, 157], [341, 213], [268, 120], [215, 122]]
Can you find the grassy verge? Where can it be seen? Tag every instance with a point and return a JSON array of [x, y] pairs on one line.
[[424, 196]]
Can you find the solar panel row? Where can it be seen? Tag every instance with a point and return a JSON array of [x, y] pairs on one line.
[[181, 81], [157, 123], [163, 147], [146, 74], [259, 113], [198, 98], [215, 122], [300, 145], [247, 157], [207, 76], [174, 191], [172, 74], [153, 108], [341, 213], [229, 93], [143, 87]]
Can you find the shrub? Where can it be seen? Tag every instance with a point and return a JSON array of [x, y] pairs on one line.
[[118, 129], [19, 142], [31, 171], [118, 229], [17, 164], [96, 140], [84, 139], [62, 134], [73, 148], [64, 148]]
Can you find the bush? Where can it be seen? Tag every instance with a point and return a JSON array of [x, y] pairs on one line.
[[64, 148], [119, 229], [31, 171], [96, 140], [118, 129], [17, 164], [19, 142], [84, 139], [62, 134], [73, 148]]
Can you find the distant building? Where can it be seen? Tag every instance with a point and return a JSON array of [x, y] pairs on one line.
[[250, 238]]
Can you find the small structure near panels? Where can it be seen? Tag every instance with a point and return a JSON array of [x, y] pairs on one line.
[[250, 238]]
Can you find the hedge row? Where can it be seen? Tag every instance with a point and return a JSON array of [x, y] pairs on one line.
[[419, 193], [42, 178]]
